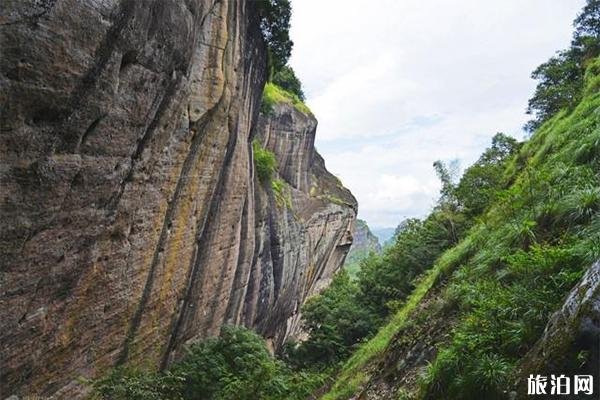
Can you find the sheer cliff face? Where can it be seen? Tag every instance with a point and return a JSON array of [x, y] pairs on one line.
[[131, 219], [303, 225]]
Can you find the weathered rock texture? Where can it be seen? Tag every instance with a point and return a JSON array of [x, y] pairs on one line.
[[363, 243], [364, 239], [131, 220], [303, 230], [570, 344]]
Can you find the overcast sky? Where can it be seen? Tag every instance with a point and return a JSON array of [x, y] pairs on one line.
[[398, 84]]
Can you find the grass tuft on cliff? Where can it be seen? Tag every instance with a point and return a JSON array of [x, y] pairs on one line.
[[264, 162], [274, 94], [282, 192]]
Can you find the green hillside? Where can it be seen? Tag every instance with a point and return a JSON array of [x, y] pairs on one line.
[[496, 289]]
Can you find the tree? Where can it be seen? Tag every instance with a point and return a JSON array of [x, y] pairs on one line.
[[561, 78], [587, 22], [275, 26], [560, 84], [234, 366], [586, 38], [336, 322], [286, 78], [481, 181], [447, 175]]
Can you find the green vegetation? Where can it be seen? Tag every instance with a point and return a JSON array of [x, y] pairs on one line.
[[522, 225], [234, 366], [286, 79], [336, 324], [352, 375], [500, 250], [264, 162], [273, 94], [352, 265], [346, 315], [275, 26], [561, 79], [282, 192]]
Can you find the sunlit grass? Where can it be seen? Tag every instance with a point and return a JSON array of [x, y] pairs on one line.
[[273, 94], [353, 375]]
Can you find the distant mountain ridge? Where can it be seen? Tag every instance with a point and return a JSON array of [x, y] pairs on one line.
[[364, 242], [383, 234]]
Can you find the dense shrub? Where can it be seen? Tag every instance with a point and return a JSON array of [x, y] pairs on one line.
[[286, 79], [234, 366], [264, 162], [561, 79], [481, 182], [336, 322]]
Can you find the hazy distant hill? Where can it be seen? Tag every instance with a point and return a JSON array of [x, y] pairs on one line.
[[364, 242], [383, 234]]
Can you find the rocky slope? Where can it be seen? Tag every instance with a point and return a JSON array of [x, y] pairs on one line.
[[131, 219]]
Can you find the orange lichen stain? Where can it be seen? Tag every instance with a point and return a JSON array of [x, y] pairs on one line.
[[175, 246], [148, 257], [310, 272], [81, 302]]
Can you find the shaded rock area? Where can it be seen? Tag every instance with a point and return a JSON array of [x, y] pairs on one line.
[[304, 218], [570, 344], [364, 242], [395, 374], [131, 222]]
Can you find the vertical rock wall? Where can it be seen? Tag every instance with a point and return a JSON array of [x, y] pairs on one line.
[[303, 225], [131, 222]]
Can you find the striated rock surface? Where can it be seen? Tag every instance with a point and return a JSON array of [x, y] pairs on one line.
[[364, 242], [364, 239], [131, 220], [304, 219]]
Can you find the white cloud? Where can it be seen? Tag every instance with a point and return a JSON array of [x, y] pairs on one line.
[[398, 84]]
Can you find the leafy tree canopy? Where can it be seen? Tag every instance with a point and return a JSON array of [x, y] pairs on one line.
[[560, 79], [275, 26], [286, 78]]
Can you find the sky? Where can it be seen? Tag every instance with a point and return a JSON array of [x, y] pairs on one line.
[[399, 84]]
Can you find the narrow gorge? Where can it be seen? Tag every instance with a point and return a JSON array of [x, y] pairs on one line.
[[169, 231], [133, 220]]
